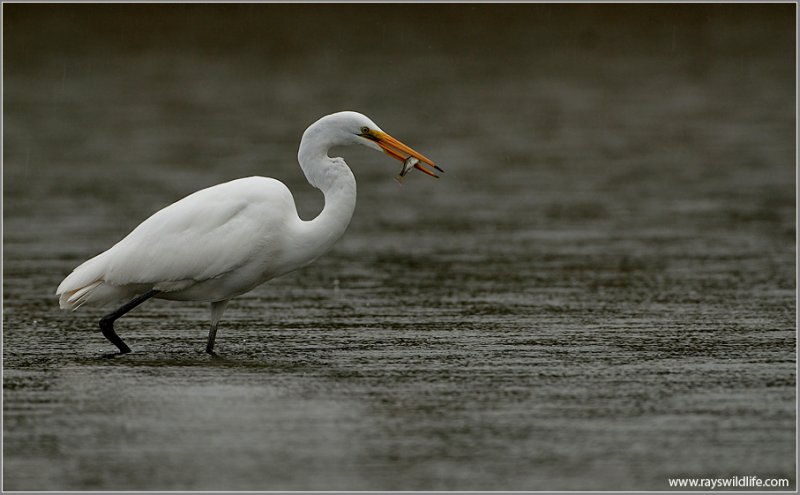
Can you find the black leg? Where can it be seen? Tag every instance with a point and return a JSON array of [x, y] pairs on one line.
[[212, 335], [217, 308], [107, 322]]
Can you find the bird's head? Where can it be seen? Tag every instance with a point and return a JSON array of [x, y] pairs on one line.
[[355, 128]]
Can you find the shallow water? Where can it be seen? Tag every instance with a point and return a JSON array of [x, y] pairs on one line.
[[598, 294]]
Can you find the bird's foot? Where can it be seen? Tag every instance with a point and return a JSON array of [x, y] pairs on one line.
[[112, 355]]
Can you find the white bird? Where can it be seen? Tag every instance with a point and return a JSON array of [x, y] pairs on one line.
[[223, 241]]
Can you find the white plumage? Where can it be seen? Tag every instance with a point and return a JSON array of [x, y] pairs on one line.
[[223, 241], [202, 247]]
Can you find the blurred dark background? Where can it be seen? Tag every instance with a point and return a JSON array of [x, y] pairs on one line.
[[208, 92], [598, 294]]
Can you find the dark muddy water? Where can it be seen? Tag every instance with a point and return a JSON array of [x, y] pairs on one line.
[[599, 294]]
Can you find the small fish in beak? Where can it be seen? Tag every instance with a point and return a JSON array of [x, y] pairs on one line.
[[408, 164], [400, 151]]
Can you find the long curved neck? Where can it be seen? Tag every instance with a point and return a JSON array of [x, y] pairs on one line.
[[330, 224], [334, 178]]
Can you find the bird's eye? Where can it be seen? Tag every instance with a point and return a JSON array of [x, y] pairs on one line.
[[365, 130]]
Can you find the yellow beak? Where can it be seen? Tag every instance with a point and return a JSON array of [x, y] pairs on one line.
[[400, 151]]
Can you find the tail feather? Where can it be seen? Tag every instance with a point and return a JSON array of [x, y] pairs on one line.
[[87, 285], [76, 298], [80, 285]]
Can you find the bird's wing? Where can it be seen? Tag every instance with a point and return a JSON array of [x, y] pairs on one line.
[[204, 235]]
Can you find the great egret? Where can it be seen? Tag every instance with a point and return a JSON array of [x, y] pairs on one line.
[[223, 241]]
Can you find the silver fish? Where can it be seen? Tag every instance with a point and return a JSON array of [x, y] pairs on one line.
[[408, 164]]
